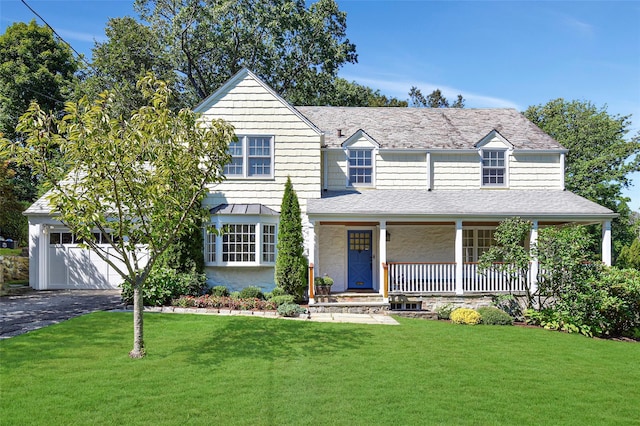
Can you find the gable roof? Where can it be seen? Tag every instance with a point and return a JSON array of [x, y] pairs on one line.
[[234, 81], [428, 128]]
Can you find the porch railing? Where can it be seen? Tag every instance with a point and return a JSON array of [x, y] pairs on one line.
[[429, 277], [422, 277]]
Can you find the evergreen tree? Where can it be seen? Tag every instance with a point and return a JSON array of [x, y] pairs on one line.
[[291, 265]]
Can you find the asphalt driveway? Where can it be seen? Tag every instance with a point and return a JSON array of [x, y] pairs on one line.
[[37, 309]]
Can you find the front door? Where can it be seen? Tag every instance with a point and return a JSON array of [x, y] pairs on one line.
[[360, 260]]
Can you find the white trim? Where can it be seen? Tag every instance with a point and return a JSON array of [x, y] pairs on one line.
[[382, 257], [606, 242], [357, 136], [429, 167], [506, 160], [459, 257], [374, 158], [494, 134], [533, 241], [562, 159]]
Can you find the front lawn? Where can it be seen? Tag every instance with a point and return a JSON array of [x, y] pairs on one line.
[[255, 371]]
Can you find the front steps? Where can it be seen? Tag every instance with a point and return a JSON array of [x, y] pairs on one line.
[[350, 303]]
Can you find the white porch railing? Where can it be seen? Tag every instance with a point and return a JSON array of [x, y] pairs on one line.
[[427, 277], [422, 277], [490, 281]]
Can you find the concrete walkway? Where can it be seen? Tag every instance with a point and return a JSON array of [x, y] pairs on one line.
[[37, 309], [316, 317]]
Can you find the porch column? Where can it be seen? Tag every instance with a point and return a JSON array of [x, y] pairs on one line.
[[606, 242], [312, 259], [459, 257], [533, 271], [382, 259]]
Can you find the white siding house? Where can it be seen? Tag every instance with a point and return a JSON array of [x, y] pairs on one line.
[[395, 201]]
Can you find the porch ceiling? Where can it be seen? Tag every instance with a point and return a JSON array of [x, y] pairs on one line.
[[469, 204]]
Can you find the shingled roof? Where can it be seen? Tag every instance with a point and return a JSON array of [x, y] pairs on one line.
[[457, 203], [427, 128]]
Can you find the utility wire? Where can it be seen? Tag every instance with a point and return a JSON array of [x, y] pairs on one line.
[[81, 57]]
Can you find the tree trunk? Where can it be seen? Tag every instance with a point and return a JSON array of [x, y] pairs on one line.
[[138, 307]]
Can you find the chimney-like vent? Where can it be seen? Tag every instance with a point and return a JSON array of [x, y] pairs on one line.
[[339, 133]]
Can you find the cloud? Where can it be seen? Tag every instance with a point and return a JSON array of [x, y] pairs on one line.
[[81, 37], [398, 87], [577, 26]]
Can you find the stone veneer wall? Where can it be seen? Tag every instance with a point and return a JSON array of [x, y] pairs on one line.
[[13, 268]]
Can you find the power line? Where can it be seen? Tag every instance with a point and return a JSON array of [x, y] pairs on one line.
[[81, 57]]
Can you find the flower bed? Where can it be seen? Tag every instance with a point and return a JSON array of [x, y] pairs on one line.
[[225, 302]]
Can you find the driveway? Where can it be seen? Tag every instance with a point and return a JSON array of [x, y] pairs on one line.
[[20, 314]]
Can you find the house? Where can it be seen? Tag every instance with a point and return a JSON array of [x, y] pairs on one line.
[[398, 202]]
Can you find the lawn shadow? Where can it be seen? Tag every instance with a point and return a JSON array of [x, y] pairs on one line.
[[271, 339]]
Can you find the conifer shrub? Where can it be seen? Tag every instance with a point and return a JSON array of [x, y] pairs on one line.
[[465, 316], [291, 265], [494, 316]]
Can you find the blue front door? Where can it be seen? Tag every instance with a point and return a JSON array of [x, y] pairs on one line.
[[360, 260]]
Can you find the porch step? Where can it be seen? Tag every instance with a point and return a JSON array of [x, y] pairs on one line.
[[350, 303]]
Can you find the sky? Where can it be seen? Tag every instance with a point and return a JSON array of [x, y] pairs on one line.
[[495, 53]]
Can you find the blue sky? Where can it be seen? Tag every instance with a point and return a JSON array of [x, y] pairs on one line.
[[495, 53]]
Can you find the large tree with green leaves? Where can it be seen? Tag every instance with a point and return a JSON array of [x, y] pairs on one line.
[[291, 265], [131, 50], [35, 67], [601, 154], [137, 181], [295, 49]]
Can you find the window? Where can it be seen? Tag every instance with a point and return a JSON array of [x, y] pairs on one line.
[[268, 243], [242, 243], [360, 167], [210, 247], [475, 242], [57, 237], [251, 156], [493, 168], [405, 306], [239, 243]]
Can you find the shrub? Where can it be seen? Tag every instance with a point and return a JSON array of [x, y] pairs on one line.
[[278, 291], [251, 292], [234, 295], [281, 300], [619, 306], [444, 311], [509, 304], [494, 316], [219, 290], [290, 310], [465, 316], [165, 284]]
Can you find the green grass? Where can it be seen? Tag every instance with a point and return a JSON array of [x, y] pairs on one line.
[[10, 252], [241, 370]]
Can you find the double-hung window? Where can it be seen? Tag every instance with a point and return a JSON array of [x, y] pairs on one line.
[[493, 168], [360, 167], [251, 157]]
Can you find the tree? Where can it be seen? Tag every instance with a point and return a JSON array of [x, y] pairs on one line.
[[136, 181], [341, 92], [294, 49], [130, 52], [599, 160], [35, 67], [12, 223], [291, 265], [434, 100], [509, 254], [630, 255]]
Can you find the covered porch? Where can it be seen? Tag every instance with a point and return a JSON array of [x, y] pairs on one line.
[[421, 243]]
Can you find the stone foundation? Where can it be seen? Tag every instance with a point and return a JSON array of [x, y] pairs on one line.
[[347, 308]]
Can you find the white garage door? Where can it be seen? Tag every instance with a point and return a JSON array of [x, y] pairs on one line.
[[72, 267]]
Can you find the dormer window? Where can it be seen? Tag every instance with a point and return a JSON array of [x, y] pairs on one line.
[[251, 157], [360, 167], [493, 168]]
